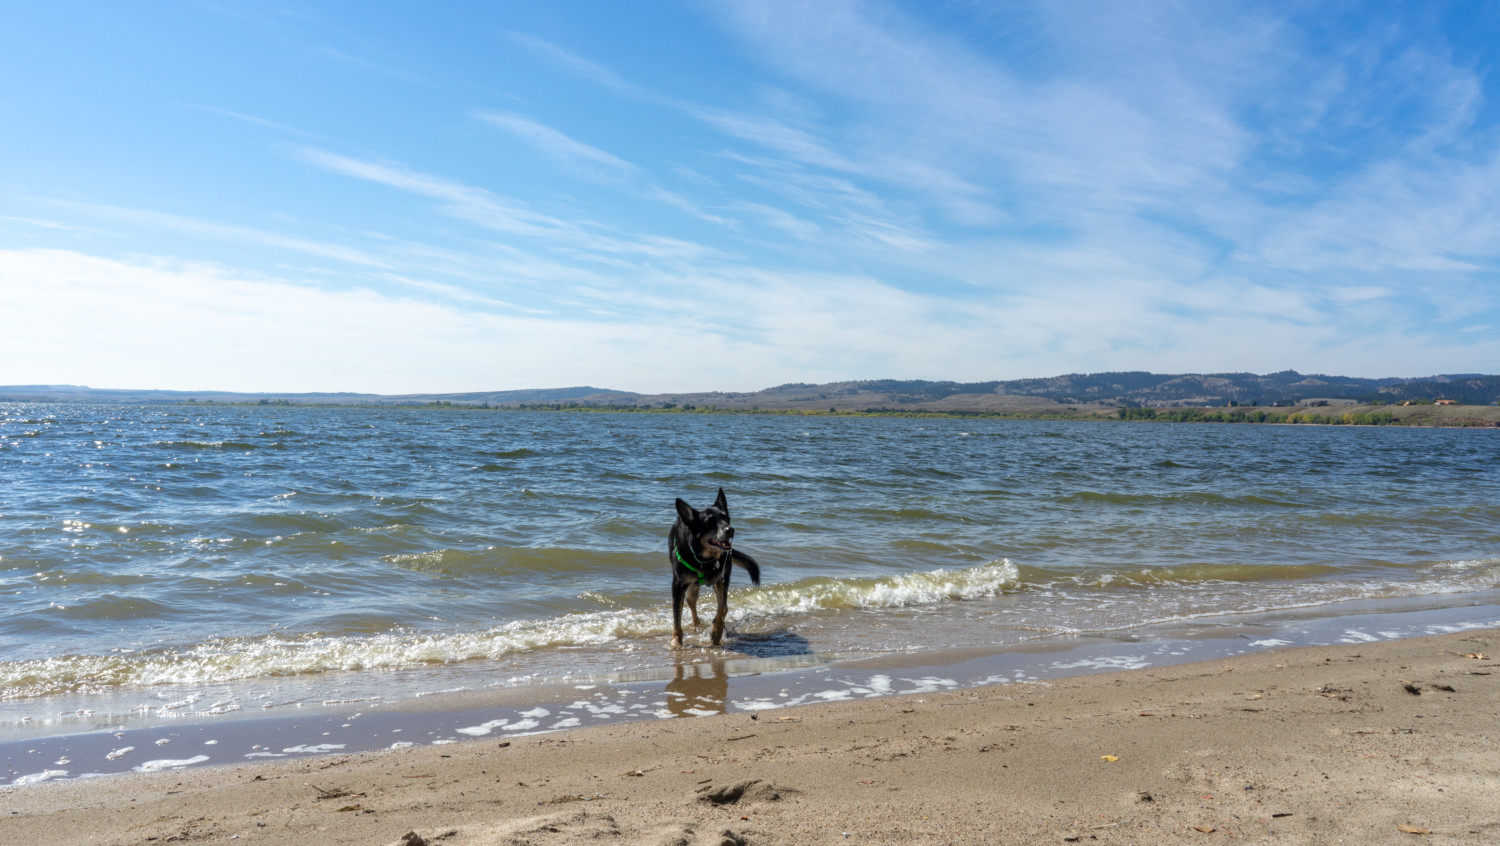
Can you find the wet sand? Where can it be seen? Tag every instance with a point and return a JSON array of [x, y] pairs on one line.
[[1364, 743]]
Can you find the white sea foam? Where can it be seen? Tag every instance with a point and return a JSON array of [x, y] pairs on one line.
[[314, 749], [38, 778], [483, 728], [609, 709], [1454, 628], [169, 764], [757, 705], [1109, 662]]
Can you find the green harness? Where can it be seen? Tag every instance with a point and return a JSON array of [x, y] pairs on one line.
[[702, 579]]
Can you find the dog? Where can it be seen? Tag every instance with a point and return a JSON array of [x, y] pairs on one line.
[[701, 549]]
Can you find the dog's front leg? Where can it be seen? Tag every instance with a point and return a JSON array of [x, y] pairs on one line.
[[721, 593], [690, 595], [677, 595]]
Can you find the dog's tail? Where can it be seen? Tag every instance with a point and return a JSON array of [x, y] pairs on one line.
[[748, 563]]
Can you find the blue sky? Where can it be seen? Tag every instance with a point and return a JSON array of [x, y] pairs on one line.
[[664, 196]]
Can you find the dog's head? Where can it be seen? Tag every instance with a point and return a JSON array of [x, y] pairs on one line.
[[709, 528]]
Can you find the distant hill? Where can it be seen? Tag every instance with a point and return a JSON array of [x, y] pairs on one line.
[[1287, 387], [1093, 392], [1083, 393], [78, 393]]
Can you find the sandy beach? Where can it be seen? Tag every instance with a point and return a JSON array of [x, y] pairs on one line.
[[1369, 743]]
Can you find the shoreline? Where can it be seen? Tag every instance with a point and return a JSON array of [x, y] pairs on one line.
[[1301, 744], [1359, 415], [698, 683]]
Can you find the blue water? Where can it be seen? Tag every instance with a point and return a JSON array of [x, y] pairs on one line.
[[214, 558]]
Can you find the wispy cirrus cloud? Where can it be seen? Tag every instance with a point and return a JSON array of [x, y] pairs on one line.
[[483, 266], [476, 205], [782, 220], [484, 208], [580, 158], [1144, 122], [795, 175], [799, 145], [44, 224], [584, 161], [230, 232], [1432, 213], [257, 121], [793, 160], [576, 64]]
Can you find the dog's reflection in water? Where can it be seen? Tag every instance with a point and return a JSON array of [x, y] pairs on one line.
[[698, 690]]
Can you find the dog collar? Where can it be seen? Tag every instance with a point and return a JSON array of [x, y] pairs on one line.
[[702, 579]]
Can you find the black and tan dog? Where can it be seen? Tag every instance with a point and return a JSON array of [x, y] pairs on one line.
[[701, 547]]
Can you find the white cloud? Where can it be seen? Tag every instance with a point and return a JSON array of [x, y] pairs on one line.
[[168, 324], [161, 323]]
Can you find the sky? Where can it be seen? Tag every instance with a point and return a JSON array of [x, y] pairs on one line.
[[682, 196]]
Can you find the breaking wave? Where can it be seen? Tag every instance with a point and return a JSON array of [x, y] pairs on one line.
[[232, 659]]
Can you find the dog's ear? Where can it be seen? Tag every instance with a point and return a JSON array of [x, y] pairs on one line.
[[721, 503], [685, 513]]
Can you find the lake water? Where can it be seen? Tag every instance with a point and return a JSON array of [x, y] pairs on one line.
[[202, 561]]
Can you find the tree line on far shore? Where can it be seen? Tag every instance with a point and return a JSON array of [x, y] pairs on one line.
[[1258, 415]]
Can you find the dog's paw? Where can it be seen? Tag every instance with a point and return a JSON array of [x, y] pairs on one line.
[[676, 643]]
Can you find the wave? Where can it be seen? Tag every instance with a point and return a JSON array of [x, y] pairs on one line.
[[240, 446], [907, 589], [231, 659], [522, 452], [1191, 574], [519, 560], [1191, 497], [1375, 576]]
